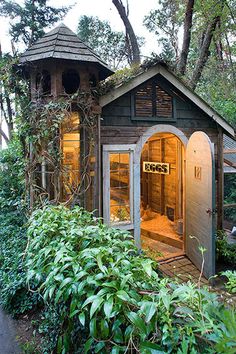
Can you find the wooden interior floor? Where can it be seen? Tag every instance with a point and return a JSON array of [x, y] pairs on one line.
[[159, 234]]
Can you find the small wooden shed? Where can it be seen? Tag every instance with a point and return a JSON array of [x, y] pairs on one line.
[[159, 149]]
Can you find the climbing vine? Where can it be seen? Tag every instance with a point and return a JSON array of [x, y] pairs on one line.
[[46, 174]]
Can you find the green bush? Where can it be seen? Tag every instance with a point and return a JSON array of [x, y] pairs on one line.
[[105, 297], [231, 282], [230, 196], [225, 252], [14, 294]]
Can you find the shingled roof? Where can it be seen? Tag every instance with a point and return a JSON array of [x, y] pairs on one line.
[[62, 43]]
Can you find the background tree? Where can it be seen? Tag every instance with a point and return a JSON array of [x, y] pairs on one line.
[[206, 56], [27, 24], [29, 20], [108, 44], [131, 38]]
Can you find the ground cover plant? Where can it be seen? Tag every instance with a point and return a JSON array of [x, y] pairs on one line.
[[106, 297]]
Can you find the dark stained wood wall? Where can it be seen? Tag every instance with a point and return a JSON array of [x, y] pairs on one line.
[[118, 127]]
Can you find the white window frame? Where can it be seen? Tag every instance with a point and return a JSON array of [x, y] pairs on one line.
[[107, 149]]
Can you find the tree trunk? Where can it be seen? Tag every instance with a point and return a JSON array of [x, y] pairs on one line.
[[187, 37], [133, 43], [204, 53]]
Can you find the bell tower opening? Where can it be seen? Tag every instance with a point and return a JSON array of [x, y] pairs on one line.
[[70, 81], [162, 201]]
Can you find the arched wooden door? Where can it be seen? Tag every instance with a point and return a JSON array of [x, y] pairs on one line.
[[200, 202]]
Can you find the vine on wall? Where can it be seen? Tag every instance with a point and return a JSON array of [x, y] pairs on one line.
[[46, 175]]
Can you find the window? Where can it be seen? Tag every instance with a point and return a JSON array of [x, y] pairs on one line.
[[118, 185], [70, 147], [151, 101]]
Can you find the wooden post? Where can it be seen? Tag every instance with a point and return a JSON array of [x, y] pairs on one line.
[[220, 184]]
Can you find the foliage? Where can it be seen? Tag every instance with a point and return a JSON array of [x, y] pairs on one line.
[[120, 77], [27, 23], [108, 44], [29, 19], [225, 252], [107, 298], [230, 195], [48, 120], [13, 290], [202, 64], [165, 22], [231, 283]]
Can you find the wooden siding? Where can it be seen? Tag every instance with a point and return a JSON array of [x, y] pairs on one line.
[[117, 126], [187, 115]]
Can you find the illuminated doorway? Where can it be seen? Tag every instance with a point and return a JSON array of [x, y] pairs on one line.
[[162, 191]]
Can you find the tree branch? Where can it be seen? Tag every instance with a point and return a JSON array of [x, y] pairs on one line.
[[204, 50], [135, 57], [188, 22], [5, 137]]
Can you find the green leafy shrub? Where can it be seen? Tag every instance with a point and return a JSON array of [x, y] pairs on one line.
[[225, 252], [107, 298], [230, 196], [231, 282], [14, 294]]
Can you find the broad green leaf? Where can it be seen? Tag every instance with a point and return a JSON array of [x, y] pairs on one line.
[[51, 291], [93, 327], [118, 336], [99, 347], [66, 281], [95, 305], [128, 332], [89, 299], [150, 348], [147, 266], [137, 321], [58, 295], [72, 314], [104, 328], [115, 350], [82, 318], [149, 309], [100, 264], [59, 345], [166, 301], [121, 294], [88, 345], [108, 306]]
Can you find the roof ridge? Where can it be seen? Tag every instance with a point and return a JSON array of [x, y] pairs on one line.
[[55, 43]]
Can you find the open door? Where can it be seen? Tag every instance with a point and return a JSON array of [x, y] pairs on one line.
[[200, 202]]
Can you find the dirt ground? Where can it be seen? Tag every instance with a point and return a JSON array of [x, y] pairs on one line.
[[27, 334]]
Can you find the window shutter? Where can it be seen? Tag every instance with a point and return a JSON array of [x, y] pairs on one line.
[[163, 103], [143, 101]]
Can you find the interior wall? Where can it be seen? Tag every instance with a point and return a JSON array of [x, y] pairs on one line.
[[160, 191]]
